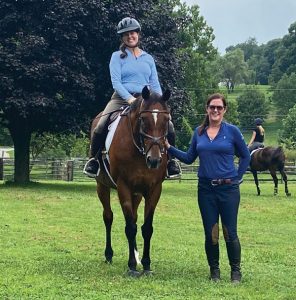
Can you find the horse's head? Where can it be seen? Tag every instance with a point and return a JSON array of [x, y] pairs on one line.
[[153, 121]]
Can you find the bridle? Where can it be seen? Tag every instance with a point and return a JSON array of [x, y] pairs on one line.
[[155, 140]]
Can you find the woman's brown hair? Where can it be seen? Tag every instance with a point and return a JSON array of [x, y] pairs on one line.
[[206, 121], [123, 53]]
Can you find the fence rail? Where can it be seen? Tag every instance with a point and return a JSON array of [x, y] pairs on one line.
[[72, 170]]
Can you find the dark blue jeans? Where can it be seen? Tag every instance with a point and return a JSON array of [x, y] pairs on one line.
[[215, 201]]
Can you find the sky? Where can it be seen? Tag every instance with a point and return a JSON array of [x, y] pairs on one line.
[[234, 21]]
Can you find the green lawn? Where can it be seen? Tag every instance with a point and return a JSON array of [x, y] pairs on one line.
[[52, 245]]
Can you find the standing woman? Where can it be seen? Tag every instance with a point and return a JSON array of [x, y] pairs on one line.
[[131, 69], [258, 135], [216, 142]]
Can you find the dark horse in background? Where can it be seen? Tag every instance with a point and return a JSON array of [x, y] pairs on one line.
[[272, 159], [138, 163]]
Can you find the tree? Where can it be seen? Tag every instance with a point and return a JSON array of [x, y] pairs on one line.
[[54, 58], [234, 69], [249, 47], [5, 139], [198, 51], [288, 133], [48, 145], [251, 104], [285, 62], [259, 64], [284, 96]]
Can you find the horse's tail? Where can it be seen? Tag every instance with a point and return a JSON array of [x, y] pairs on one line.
[[279, 156]]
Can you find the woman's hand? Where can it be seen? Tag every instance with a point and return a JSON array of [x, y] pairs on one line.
[[166, 144], [131, 100]]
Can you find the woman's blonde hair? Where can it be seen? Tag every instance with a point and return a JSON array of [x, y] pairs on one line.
[[261, 129]]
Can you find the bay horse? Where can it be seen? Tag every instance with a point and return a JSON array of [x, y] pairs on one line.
[[138, 163], [272, 159]]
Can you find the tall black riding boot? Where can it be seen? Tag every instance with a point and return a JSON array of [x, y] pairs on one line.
[[234, 256], [212, 252], [173, 168], [92, 166]]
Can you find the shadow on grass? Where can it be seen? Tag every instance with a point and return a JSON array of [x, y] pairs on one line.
[[55, 186]]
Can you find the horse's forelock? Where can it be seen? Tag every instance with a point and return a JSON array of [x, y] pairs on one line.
[[153, 100]]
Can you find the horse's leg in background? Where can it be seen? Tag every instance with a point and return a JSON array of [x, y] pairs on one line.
[[255, 175], [126, 203], [136, 201], [104, 196], [151, 201], [284, 176], [275, 180]]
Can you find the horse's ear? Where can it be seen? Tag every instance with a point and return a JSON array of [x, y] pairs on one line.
[[166, 95], [146, 92]]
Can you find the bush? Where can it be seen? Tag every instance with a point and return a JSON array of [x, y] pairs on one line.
[[288, 133], [284, 96], [231, 114], [251, 104]]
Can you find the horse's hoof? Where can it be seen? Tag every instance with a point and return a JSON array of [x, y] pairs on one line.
[[147, 273], [108, 261], [133, 273]]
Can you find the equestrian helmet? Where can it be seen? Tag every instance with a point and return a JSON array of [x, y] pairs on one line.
[[128, 24], [258, 121]]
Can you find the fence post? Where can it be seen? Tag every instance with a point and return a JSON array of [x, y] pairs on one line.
[[55, 169], [1, 168], [69, 170]]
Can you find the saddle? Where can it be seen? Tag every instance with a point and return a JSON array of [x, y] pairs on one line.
[[112, 126]]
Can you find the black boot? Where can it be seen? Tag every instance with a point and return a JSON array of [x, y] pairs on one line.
[[92, 166], [212, 252], [234, 256]]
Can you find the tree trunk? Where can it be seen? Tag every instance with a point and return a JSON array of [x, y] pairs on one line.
[[21, 137]]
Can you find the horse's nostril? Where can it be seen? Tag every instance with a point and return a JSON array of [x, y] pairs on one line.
[[153, 163]]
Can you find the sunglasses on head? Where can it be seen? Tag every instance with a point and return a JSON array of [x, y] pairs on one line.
[[214, 107]]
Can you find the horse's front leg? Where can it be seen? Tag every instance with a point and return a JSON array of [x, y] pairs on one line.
[[275, 180], [104, 196], [254, 172], [136, 201], [151, 201], [126, 203]]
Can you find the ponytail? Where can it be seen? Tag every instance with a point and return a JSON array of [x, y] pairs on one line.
[[261, 130], [123, 53], [204, 125]]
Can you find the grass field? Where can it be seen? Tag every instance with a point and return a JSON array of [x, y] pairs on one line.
[[53, 237]]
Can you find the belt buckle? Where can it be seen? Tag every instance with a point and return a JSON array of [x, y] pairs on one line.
[[215, 182]]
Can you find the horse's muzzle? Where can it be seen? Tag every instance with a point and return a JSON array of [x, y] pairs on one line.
[[153, 163]]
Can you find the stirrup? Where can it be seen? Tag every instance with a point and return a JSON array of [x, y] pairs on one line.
[[91, 175], [174, 176]]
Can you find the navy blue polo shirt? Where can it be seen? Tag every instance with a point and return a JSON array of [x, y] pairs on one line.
[[216, 157]]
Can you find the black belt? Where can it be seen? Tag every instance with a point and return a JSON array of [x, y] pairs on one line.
[[222, 181]]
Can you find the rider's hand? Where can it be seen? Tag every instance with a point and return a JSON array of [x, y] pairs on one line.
[[131, 100]]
